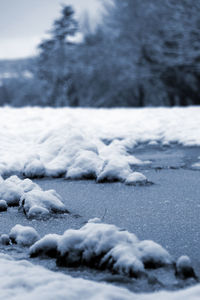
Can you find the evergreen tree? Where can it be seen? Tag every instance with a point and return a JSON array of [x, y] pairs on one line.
[[54, 62]]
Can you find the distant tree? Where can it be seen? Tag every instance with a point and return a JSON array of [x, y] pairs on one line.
[[54, 61], [158, 45]]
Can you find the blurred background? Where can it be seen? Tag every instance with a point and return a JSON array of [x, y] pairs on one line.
[[106, 53]]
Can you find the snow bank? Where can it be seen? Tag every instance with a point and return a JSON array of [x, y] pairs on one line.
[[88, 143], [103, 246], [20, 280], [35, 202], [23, 235]]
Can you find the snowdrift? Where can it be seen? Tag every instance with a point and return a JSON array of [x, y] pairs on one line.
[[89, 143]]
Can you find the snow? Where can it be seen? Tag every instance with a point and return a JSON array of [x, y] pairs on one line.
[[184, 267], [103, 246], [23, 235], [136, 178], [3, 205], [35, 202], [38, 203], [34, 168], [5, 240], [88, 143], [20, 280]]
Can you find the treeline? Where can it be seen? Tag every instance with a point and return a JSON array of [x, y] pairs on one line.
[[144, 53]]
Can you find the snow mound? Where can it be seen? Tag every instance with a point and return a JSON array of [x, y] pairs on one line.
[[5, 240], [20, 280], [3, 205], [35, 202], [34, 169], [184, 267], [23, 235], [86, 165], [136, 178], [103, 246], [12, 189], [10, 192], [47, 246], [39, 203]]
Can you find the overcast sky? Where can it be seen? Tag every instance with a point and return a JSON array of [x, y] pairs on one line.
[[23, 23]]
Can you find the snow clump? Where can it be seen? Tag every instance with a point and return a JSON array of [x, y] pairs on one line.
[[23, 235], [41, 203], [35, 202], [184, 267], [136, 178], [103, 246], [34, 169], [3, 205]]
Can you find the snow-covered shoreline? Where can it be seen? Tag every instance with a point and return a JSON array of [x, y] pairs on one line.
[[89, 143]]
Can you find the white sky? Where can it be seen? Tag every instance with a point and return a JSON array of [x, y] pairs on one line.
[[23, 23]]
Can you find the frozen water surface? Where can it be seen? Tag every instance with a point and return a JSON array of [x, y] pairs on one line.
[[164, 206], [166, 212]]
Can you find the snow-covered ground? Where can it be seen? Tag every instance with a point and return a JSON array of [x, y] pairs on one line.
[[20, 280], [105, 145], [89, 143]]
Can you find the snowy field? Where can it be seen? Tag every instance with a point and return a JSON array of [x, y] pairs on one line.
[[135, 147]]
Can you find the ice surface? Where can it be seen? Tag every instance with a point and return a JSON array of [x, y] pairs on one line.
[[88, 143]]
